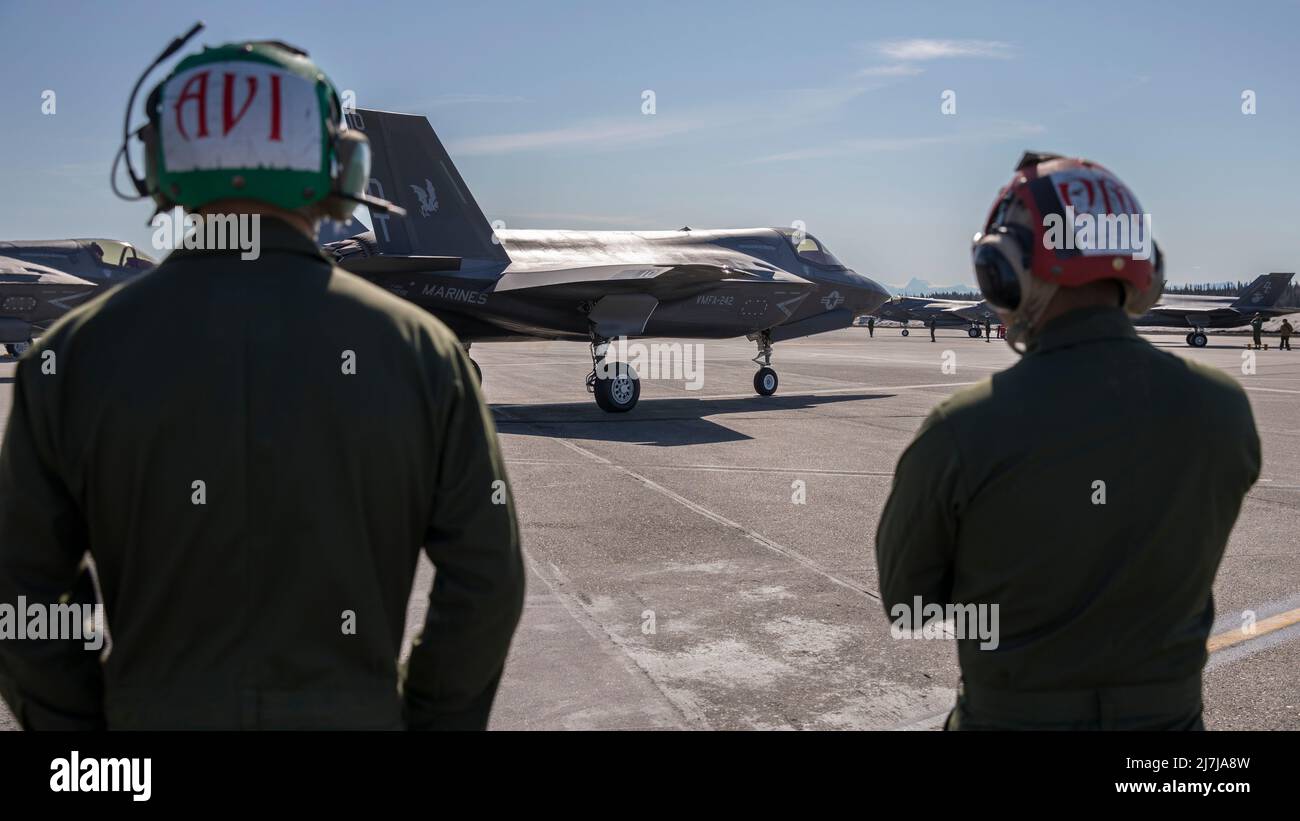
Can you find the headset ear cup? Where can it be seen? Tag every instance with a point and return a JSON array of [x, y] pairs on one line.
[[152, 156], [996, 277], [351, 173]]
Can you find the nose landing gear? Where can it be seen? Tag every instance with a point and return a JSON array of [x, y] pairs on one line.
[[1197, 338], [765, 381]]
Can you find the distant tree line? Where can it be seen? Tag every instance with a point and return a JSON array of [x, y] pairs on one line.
[[1291, 296]]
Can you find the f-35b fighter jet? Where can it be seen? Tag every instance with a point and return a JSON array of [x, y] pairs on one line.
[[767, 284]]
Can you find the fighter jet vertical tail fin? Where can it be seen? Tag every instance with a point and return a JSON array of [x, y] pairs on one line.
[[409, 166], [1264, 292]]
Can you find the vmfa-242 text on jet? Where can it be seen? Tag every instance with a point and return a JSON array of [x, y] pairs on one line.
[[767, 284]]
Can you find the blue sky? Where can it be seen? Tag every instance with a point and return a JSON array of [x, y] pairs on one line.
[[766, 113]]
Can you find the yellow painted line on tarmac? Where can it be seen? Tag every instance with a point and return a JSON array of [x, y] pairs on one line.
[[1262, 628]]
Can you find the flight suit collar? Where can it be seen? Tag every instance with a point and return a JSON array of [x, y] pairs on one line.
[[276, 235], [1085, 325]]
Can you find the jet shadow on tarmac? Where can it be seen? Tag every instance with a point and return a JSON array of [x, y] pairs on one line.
[[667, 422]]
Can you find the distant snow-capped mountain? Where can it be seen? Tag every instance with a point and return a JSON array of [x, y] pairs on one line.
[[921, 287]]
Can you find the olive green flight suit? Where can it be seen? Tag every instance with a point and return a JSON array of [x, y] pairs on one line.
[[1257, 331], [1088, 492], [254, 453]]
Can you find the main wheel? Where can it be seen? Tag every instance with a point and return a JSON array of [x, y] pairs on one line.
[[619, 389], [1199, 340], [973, 332], [905, 332], [1188, 337], [765, 382]]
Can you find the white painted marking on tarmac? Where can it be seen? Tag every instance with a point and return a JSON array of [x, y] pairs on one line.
[[1225, 648], [751, 395], [597, 631], [933, 721], [720, 468], [753, 536], [920, 363]]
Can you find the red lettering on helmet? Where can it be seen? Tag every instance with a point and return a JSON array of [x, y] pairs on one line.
[[227, 101], [200, 99], [275, 108]]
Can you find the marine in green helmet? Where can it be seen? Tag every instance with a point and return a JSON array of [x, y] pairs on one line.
[[254, 449]]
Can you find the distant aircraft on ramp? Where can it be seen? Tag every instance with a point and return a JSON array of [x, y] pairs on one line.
[[31, 298], [1201, 312], [949, 313], [102, 261]]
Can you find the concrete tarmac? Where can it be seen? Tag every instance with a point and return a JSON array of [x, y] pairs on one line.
[[676, 580]]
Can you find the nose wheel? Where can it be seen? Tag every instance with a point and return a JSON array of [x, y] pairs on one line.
[[765, 382], [1197, 339], [615, 385]]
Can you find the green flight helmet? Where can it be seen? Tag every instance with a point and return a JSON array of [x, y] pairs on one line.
[[257, 121]]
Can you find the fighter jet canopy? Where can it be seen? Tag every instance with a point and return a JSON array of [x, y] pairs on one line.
[[809, 249]]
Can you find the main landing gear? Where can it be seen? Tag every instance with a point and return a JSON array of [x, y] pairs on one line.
[[765, 381], [974, 332], [1197, 338], [615, 385]]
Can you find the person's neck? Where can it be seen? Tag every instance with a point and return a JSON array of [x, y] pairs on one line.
[[1107, 293], [293, 219]]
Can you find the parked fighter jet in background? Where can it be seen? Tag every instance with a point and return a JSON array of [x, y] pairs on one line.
[[947, 313], [768, 284], [1201, 312], [102, 261], [33, 296]]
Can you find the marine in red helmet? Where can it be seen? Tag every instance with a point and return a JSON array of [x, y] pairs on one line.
[[1072, 510]]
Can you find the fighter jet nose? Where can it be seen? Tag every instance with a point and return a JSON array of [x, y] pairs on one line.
[[875, 291]]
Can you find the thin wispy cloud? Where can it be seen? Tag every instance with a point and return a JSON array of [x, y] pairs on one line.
[[873, 145], [468, 99], [778, 109], [922, 48], [456, 99], [891, 70], [609, 133]]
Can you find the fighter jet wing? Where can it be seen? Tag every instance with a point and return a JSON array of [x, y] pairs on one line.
[[1199, 318], [658, 280]]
